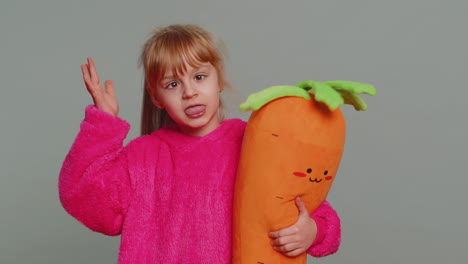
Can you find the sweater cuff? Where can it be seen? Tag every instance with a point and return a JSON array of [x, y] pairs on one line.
[[320, 229], [105, 123], [328, 236]]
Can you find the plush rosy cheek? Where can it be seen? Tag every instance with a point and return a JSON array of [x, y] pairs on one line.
[[299, 174], [328, 178]]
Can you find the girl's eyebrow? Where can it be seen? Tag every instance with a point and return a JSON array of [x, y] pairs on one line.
[[201, 67], [204, 66], [167, 77]]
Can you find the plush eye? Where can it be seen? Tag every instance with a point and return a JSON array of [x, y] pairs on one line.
[[309, 170], [325, 172]]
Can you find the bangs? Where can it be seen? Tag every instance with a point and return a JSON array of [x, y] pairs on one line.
[[174, 50]]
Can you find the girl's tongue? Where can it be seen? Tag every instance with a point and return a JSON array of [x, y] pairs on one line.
[[195, 111]]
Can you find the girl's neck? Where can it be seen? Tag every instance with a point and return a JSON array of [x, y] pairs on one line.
[[199, 131]]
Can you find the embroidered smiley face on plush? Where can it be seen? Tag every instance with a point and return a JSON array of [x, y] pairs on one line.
[[309, 170]]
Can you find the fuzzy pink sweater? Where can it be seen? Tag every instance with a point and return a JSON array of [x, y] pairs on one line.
[[168, 194]]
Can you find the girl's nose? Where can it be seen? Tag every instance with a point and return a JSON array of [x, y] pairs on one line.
[[189, 91]]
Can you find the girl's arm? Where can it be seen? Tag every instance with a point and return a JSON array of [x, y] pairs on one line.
[[94, 184]]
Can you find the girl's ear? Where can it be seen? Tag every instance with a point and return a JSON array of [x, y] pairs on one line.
[[157, 103], [221, 86], [154, 99]]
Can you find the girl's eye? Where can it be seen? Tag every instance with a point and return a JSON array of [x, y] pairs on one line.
[[171, 85], [200, 77]]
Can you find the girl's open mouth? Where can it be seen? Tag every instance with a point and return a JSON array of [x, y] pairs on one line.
[[195, 111]]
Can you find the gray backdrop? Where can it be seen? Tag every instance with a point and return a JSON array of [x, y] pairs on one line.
[[401, 190]]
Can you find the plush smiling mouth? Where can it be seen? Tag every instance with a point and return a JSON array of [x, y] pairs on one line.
[[315, 180]]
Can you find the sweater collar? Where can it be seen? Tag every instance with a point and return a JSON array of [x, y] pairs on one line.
[[231, 129]]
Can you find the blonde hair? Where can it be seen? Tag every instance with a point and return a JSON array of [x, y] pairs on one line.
[[172, 48]]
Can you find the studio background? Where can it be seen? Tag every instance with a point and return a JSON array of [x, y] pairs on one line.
[[401, 187]]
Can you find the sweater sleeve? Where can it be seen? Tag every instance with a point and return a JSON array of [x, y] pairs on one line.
[[94, 184], [328, 236]]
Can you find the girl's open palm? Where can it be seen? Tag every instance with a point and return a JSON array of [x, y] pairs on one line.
[[104, 98]]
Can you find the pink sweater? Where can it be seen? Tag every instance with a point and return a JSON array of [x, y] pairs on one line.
[[168, 194]]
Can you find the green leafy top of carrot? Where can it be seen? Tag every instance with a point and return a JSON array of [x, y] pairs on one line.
[[331, 93]]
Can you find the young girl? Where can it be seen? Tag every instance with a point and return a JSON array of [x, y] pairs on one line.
[[169, 192]]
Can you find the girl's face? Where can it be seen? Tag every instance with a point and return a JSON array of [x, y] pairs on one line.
[[191, 99]]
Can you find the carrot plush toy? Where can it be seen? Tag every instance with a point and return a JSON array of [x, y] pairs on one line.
[[292, 147]]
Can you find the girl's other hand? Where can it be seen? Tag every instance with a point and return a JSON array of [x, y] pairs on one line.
[[296, 239], [104, 99]]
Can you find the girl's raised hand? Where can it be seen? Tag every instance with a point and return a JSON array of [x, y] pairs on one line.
[[104, 98], [296, 239]]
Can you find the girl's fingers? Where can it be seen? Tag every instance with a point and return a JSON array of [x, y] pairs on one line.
[[287, 248], [284, 232], [86, 77], [301, 207], [109, 88], [92, 71], [103, 97], [281, 241], [85, 72], [93, 89], [295, 253]]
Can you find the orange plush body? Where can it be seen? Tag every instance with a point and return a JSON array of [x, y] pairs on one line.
[[292, 147]]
